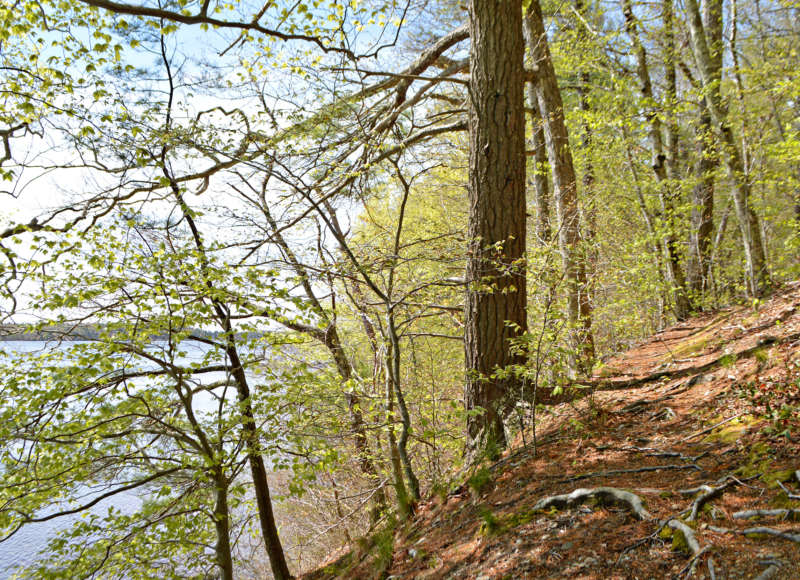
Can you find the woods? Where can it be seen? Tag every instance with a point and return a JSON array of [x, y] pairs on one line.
[[334, 256]]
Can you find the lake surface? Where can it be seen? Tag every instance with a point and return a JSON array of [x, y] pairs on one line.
[[25, 546]]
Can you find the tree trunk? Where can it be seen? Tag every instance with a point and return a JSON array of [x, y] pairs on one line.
[[707, 159], [565, 190], [495, 309], [541, 187], [675, 277], [702, 206], [756, 273], [222, 524], [250, 434]]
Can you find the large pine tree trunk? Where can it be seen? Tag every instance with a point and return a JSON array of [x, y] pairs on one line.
[[565, 190], [496, 292]]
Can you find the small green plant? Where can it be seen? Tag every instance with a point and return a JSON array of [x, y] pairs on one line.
[[490, 524], [727, 360], [480, 481]]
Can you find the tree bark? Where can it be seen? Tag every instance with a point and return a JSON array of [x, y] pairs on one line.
[[541, 187], [495, 309], [756, 274], [661, 160], [565, 191], [707, 159], [222, 525]]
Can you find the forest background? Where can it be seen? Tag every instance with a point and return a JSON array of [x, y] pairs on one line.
[[355, 209]]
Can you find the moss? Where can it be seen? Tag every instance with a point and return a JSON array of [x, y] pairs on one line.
[[754, 536], [782, 501], [522, 518], [732, 431], [771, 477], [761, 355], [727, 360], [679, 543]]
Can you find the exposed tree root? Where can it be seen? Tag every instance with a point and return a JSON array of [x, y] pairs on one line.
[[604, 495], [758, 531], [707, 494], [627, 471], [605, 385], [784, 513], [773, 567], [688, 534]]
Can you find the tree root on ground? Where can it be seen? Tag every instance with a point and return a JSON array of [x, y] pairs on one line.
[[758, 531], [627, 471], [708, 493], [784, 513], [603, 495]]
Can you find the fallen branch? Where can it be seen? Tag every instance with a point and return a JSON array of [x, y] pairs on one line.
[[626, 471], [604, 495]]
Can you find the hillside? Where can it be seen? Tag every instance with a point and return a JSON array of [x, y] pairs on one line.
[[683, 462]]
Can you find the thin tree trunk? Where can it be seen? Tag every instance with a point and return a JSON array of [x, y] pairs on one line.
[[564, 188], [495, 309], [541, 187], [222, 549], [330, 338], [756, 273], [675, 276], [589, 261], [702, 206], [258, 471]]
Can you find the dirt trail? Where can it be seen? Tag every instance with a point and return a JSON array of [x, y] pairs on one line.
[[689, 430]]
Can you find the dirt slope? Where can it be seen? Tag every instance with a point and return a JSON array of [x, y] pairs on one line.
[[712, 402]]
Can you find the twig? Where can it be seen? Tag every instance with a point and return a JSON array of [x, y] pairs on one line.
[[788, 493]]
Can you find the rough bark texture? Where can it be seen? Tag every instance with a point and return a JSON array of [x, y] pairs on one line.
[[702, 206], [496, 293], [756, 274], [564, 189]]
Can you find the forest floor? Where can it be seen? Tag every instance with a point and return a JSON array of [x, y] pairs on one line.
[[681, 440]]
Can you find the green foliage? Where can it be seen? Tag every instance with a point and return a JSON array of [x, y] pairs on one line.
[[480, 481]]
